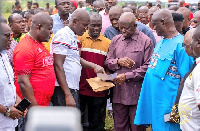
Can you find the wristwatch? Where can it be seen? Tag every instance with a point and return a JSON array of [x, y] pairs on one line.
[[7, 111]]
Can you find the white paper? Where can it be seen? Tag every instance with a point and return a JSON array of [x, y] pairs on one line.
[[105, 77]]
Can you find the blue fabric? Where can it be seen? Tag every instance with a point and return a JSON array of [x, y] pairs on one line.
[[111, 32], [169, 63], [58, 22]]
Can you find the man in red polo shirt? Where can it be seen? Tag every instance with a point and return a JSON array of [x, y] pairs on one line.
[[33, 64]]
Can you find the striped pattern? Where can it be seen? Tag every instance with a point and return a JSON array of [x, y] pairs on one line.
[[65, 44], [94, 51]]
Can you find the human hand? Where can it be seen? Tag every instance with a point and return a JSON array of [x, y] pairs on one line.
[[69, 100], [98, 69], [126, 62], [121, 78], [15, 113]]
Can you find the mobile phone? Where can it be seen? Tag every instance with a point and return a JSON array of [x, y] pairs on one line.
[[167, 117], [23, 105]]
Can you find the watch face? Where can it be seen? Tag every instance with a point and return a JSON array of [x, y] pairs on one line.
[[7, 112]]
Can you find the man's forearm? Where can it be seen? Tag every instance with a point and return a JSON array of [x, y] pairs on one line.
[[27, 91], [87, 64], [3, 109], [61, 78]]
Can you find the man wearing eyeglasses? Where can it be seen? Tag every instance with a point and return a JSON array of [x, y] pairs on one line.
[[8, 97], [129, 55]]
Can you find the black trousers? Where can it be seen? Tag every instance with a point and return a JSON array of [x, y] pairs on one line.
[[58, 98], [96, 110]]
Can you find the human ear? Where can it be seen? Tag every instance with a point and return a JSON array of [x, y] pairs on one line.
[[39, 26]]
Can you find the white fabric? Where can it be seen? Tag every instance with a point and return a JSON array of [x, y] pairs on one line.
[[7, 92], [64, 42], [191, 96]]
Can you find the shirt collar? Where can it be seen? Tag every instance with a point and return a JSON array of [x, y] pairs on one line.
[[99, 38], [71, 32], [58, 17], [134, 36]]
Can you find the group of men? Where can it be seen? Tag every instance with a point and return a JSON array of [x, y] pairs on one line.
[[145, 47]]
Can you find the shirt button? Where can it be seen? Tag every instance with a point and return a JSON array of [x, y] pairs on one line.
[[128, 80]]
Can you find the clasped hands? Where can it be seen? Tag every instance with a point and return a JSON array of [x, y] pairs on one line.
[[124, 62]]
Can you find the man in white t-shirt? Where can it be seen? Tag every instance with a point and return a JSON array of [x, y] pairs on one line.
[[189, 103], [67, 61]]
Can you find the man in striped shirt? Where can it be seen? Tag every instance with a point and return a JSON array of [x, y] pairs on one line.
[[94, 47]]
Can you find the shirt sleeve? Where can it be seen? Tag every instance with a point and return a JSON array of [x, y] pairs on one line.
[[24, 61], [196, 83], [60, 44], [139, 73], [111, 60]]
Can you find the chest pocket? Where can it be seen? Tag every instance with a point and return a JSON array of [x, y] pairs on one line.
[[162, 65], [135, 54]]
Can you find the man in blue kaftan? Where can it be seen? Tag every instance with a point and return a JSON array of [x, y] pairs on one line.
[[169, 63]]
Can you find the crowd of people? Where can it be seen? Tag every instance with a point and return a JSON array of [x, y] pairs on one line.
[[47, 55]]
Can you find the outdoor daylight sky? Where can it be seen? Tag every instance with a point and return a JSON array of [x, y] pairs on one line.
[[187, 1]]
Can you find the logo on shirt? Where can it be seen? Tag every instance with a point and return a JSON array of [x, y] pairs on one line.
[[40, 50], [181, 113], [47, 61]]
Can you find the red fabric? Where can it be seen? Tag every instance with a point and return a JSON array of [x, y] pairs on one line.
[[32, 58], [85, 88], [191, 15], [74, 3]]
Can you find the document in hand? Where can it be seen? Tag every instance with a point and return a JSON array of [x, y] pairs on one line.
[[105, 77], [98, 85]]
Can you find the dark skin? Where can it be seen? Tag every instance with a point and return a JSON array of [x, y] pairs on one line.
[[40, 31], [127, 28], [196, 19], [109, 4], [143, 14], [78, 25], [5, 41], [164, 26], [63, 7], [17, 25], [196, 45]]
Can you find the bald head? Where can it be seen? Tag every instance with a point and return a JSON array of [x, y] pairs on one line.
[[80, 14], [114, 14], [186, 15], [115, 10], [41, 18], [163, 14], [127, 9], [2, 19], [174, 7], [79, 21], [14, 17], [98, 5], [163, 23], [152, 10], [143, 8], [127, 17], [143, 14], [127, 24], [195, 41]]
